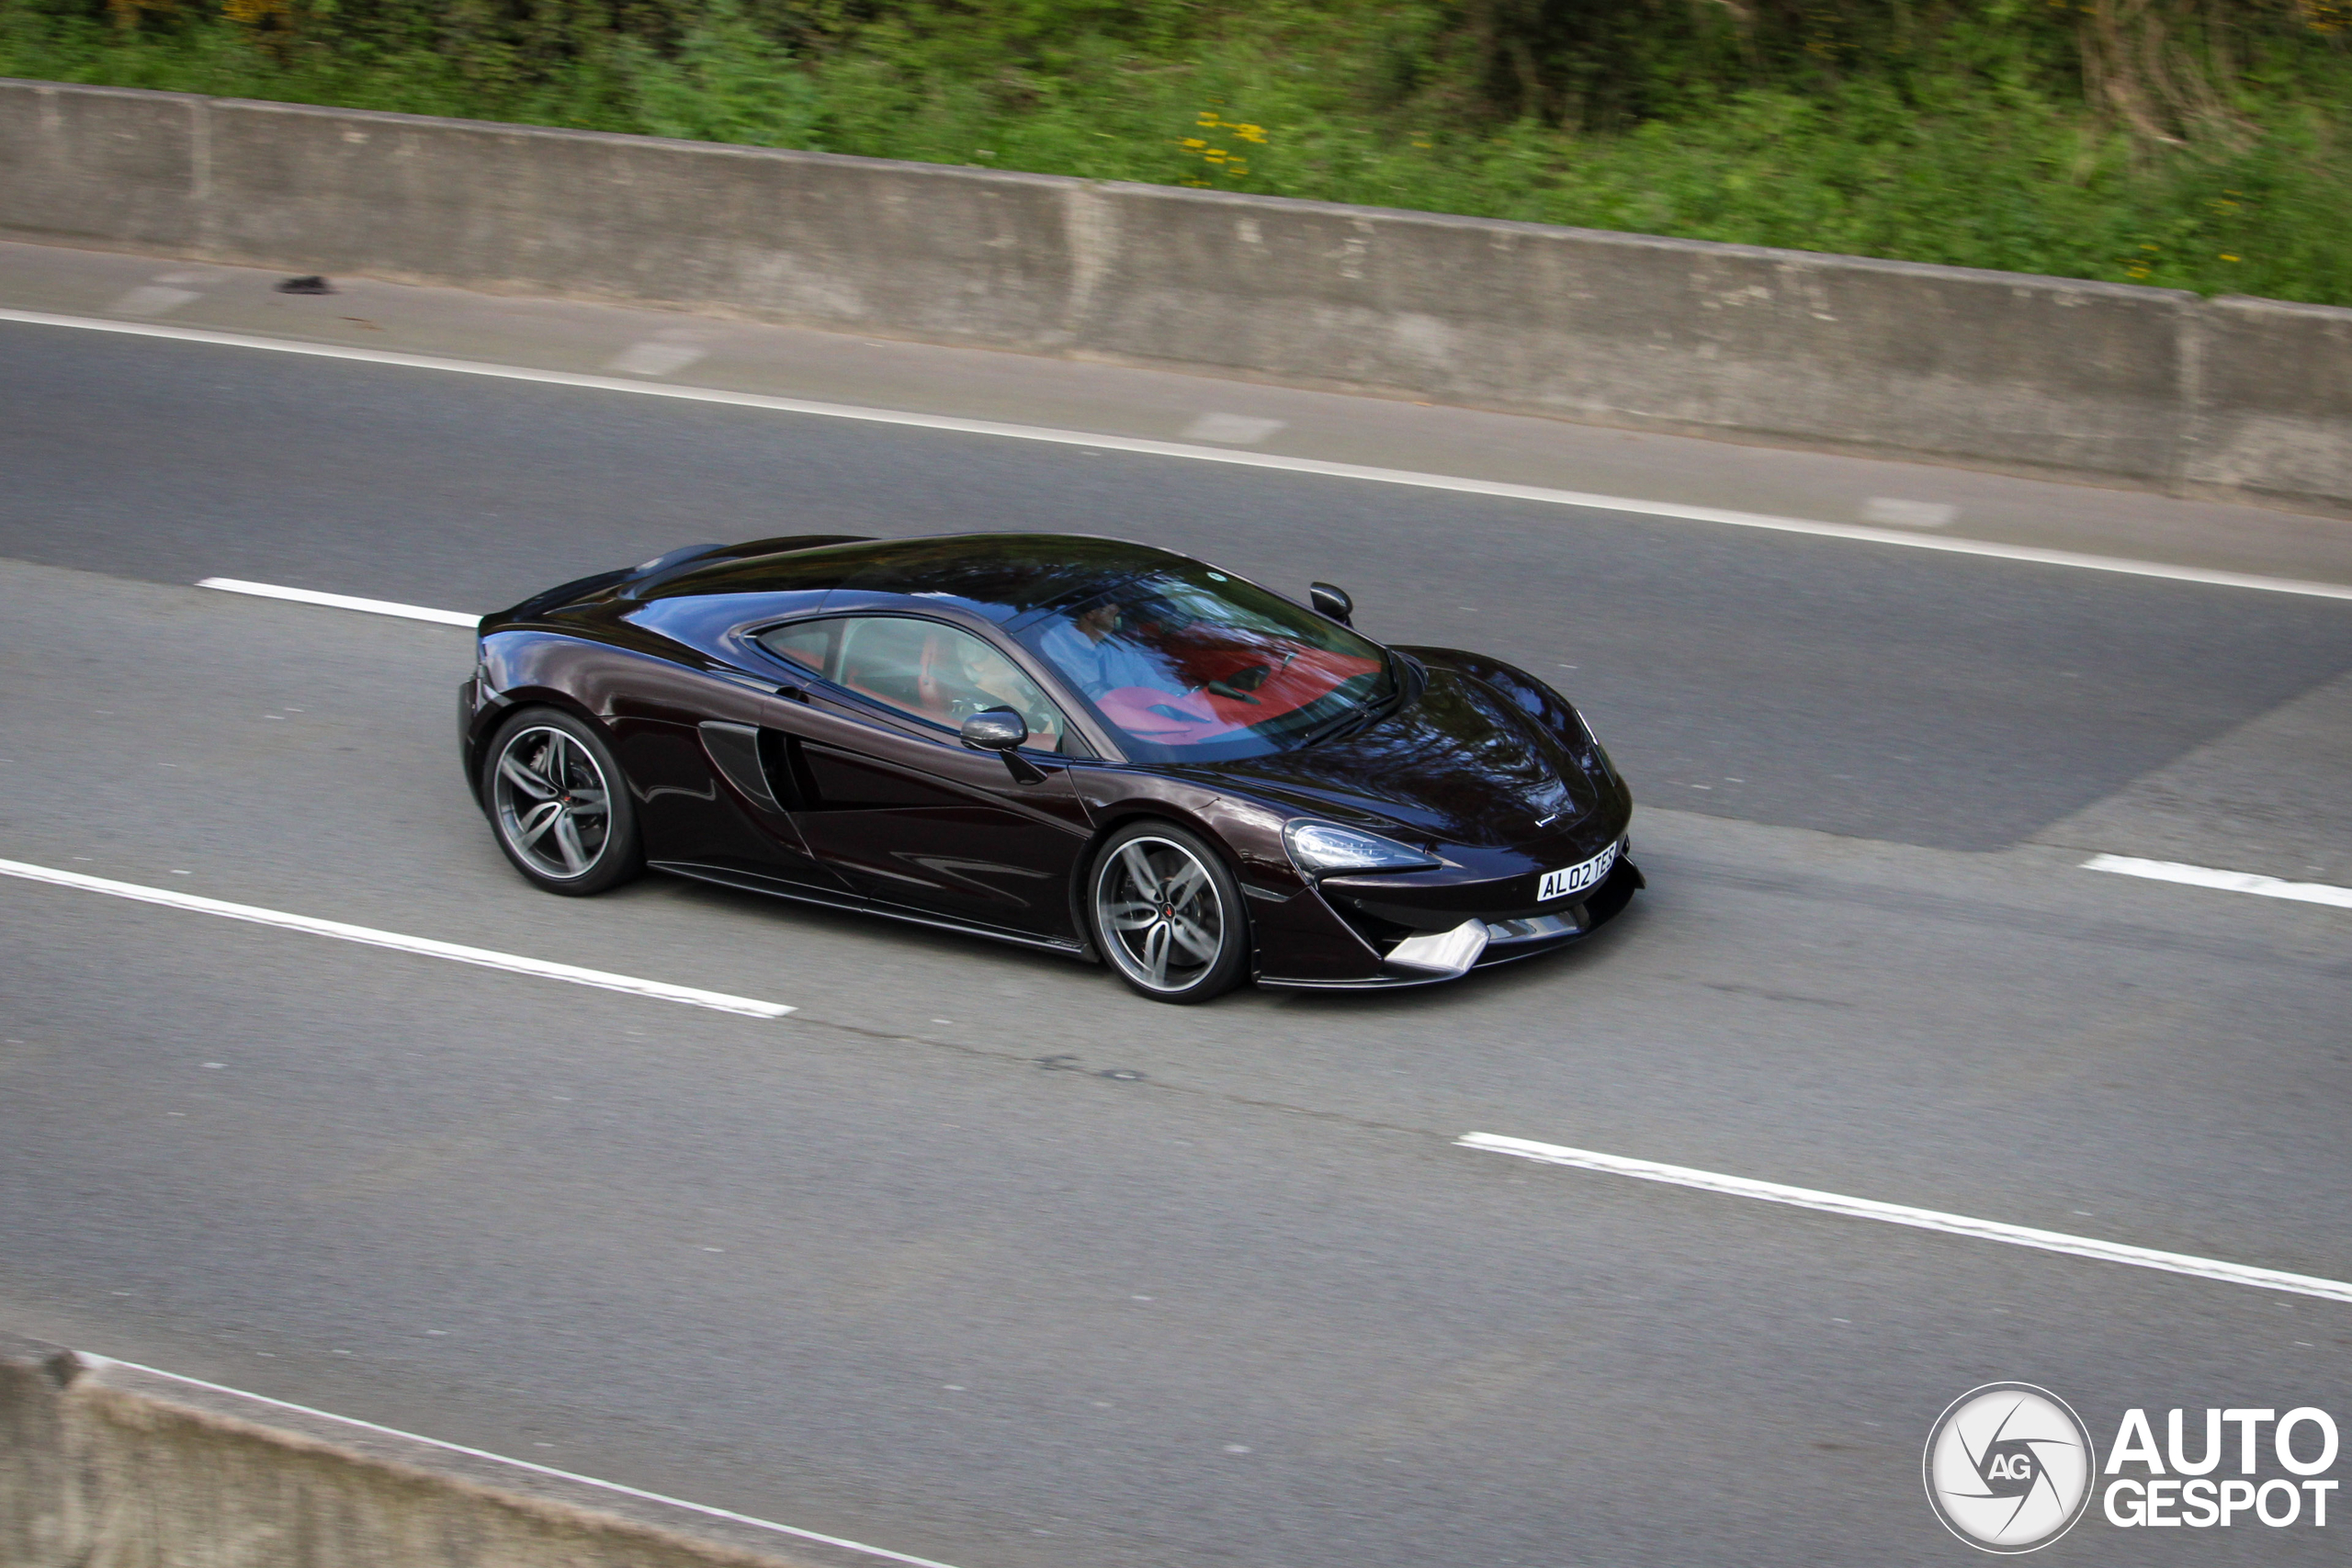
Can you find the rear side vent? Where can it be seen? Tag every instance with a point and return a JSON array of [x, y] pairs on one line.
[[763, 765], [734, 750]]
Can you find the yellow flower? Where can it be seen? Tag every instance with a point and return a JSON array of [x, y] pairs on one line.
[[1214, 154], [2227, 257], [1192, 145], [1250, 132]]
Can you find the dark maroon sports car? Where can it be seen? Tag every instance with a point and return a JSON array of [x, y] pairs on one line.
[[1079, 744]]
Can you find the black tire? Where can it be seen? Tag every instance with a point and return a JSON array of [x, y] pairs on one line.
[[1153, 894], [560, 803]]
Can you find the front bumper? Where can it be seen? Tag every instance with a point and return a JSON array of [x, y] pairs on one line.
[[1407, 941]]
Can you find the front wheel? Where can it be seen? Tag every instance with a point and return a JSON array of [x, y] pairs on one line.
[[1166, 914], [560, 805]]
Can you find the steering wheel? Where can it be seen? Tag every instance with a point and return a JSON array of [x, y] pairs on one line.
[[1241, 683]]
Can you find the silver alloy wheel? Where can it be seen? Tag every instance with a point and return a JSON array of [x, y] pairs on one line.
[[552, 804], [1162, 918]]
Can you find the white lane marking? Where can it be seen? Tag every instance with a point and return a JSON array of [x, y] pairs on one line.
[[1235, 458], [614, 1486], [660, 991], [1923, 1219], [150, 299], [342, 602], [654, 358], [1908, 514], [2227, 881], [1240, 429]]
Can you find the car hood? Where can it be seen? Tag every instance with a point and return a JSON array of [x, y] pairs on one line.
[[1457, 765]]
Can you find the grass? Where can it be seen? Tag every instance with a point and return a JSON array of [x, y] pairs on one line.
[[1982, 155]]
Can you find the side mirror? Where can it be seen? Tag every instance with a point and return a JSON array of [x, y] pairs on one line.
[[996, 729], [1332, 603], [1005, 732]]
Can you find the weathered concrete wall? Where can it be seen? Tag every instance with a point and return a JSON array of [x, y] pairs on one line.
[[2147, 384], [102, 163], [909, 247], [42, 1519], [2274, 408], [105, 1466], [1628, 327]]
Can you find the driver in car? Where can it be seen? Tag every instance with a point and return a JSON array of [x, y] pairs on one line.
[[1095, 658]]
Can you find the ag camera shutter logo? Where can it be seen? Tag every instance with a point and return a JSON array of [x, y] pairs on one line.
[[2009, 1467]]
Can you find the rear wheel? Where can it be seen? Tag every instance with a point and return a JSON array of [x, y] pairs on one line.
[[560, 805], [1166, 914]]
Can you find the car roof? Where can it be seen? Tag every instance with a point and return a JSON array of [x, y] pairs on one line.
[[1001, 576]]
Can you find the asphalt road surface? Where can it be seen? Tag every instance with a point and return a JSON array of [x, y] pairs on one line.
[[978, 1257]]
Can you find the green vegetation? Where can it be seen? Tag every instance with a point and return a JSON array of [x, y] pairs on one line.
[[2201, 144]]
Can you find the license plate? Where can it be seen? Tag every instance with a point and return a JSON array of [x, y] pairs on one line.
[[1571, 880]]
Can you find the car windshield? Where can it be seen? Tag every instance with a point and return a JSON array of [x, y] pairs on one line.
[[1187, 663]]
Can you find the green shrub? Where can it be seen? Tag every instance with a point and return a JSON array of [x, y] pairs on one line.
[[2206, 151], [726, 82]]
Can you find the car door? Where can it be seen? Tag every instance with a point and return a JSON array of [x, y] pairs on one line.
[[690, 741], [884, 793]]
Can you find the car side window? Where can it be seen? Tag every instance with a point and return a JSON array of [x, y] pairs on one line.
[[808, 644], [939, 674]]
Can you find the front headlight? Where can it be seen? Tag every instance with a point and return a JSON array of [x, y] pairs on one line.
[[1325, 848]]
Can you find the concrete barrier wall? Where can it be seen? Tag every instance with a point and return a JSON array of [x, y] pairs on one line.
[[1628, 327], [107, 1466], [2274, 408], [2150, 385]]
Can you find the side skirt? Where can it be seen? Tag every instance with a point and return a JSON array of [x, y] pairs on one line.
[[749, 882]]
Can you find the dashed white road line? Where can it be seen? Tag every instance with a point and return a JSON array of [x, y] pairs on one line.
[[484, 957], [613, 1487], [1901, 514], [1230, 455], [2227, 881], [342, 602], [1922, 1219], [655, 358], [1237, 429], [153, 299]]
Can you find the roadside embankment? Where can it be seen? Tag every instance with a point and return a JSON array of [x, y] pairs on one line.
[[2154, 387], [104, 1463]]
